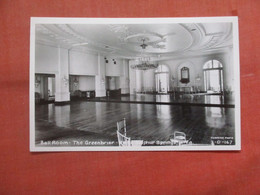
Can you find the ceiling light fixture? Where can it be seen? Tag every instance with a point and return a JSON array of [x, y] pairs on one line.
[[144, 62], [143, 46], [114, 61], [144, 66], [79, 44]]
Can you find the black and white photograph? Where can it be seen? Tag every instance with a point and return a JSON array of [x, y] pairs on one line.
[[134, 84]]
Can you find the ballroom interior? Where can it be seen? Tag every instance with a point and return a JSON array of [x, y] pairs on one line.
[[159, 79]]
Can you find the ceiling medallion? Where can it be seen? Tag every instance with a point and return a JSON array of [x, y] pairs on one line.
[[126, 36], [153, 40]]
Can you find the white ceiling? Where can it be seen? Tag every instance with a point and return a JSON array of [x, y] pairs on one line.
[[124, 40]]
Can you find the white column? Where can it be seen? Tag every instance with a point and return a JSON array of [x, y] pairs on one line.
[[228, 70], [124, 78], [148, 80], [100, 79], [132, 78], [139, 80], [62, 77]]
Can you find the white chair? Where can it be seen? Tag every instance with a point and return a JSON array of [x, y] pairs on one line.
[[179, 138], [123, 140], [121, 126]]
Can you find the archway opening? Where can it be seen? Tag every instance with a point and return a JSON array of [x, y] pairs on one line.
[[162, 79], [213, 76]]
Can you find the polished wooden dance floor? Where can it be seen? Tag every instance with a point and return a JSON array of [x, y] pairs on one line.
[[84, 120], [199, 99]]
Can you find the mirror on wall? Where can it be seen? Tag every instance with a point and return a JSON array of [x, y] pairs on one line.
[[185, 75]]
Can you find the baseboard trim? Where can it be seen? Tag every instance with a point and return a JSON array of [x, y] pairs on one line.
[[62, 103], [166, 103]]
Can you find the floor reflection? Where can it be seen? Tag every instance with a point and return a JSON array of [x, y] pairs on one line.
[[97, 121], [172, 98], [214, 99], [215, 115], [62, 115]]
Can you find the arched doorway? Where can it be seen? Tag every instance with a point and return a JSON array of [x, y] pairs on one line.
[[213, 76], [162, 79]]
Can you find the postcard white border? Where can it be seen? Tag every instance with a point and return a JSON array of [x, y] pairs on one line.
[[236, 66]]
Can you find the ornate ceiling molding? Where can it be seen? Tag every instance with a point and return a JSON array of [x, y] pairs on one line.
[[154, 40], [201, 41]]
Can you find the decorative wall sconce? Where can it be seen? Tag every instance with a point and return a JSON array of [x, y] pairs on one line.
[[75, 81], [102, 80], [197, 78], [65, 80], [37, 81], [114, 61]]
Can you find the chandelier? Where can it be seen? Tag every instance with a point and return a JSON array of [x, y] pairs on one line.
[[143, 63]]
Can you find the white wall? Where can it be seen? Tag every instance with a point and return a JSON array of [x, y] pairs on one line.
[[195, 69], [83, 64], [193, 72], [114, 69], [227, 60], [195, 65], [118, 75], [86, 83], [52, 60], [46, 59]]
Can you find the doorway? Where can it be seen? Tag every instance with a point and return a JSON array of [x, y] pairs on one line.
[[213, 76], [51, 88], [162, 79], [45, 87]]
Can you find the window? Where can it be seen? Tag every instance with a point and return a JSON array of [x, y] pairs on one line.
[[213, 76]]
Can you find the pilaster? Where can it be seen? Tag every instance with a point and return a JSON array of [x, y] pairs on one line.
[[100, 85], [62, 77]]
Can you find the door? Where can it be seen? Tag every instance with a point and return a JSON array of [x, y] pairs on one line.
[[162, 82]]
